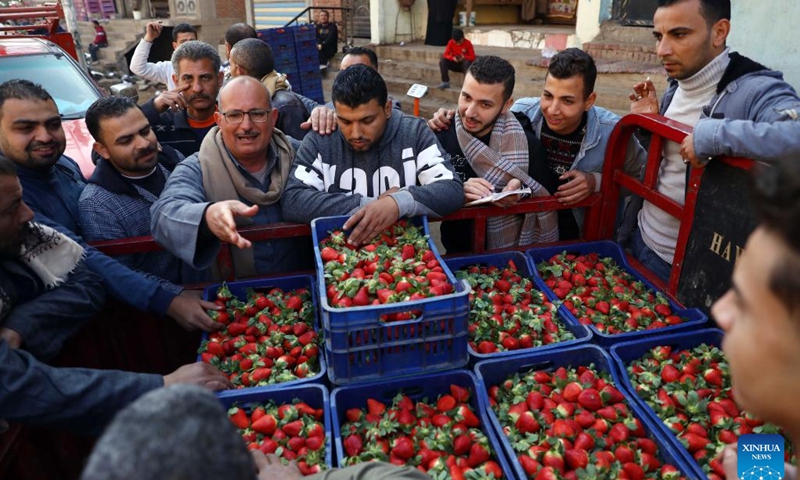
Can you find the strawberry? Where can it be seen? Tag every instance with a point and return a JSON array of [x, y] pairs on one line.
[[576, 458], [461, 394], [353, 445], [478, 454], [445, 403], [293, 429], [267, 424], [375, 407], [239, 418], [590, 400], [403, 447]]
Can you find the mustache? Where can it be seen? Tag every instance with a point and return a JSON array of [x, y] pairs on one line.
[[199, 95], [145, 152], [35, 145]]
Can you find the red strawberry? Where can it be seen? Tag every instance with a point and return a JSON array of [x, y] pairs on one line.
[[670, 374], [590, 400], [353, 445], [527, 423], [375, 407], [354, 414], [694, 442], [266, 425], [467, 417], [403, 447], [576, 458], [328, 254], [293, 429], [461, 394], [478, 454], [462, 444], [445, 403], [530, 465], [239, 418]]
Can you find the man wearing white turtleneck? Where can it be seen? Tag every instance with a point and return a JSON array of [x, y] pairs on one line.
[[736, 106]]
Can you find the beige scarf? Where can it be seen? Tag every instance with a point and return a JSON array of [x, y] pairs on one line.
[[222, 181], [505, 158], [51, 255], [275, 81]]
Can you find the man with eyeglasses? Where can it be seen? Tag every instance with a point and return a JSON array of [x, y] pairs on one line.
[[236, 179]]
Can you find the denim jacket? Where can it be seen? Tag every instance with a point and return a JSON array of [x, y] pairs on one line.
[[599, 125], [754, 114]]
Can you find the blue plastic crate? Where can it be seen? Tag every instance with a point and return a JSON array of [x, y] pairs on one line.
[[283, 53], [495, 371], [430, 386], [304, 32], [239, 290], [314, 93], [361, 347], [310, 78], [276, 36], [695, 318], [309, 64], [582, 334], [316, 396], [286, 65], [625, 353], [307, 47]]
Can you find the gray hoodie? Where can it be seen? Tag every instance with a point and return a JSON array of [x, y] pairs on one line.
[[330, 178]]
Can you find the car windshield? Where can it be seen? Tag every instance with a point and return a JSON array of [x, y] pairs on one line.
[[58, 75]]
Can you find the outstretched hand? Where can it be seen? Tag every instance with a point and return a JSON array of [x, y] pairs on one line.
[[221, 220], [371, 220]]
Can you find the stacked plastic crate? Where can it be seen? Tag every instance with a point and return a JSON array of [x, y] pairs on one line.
[[281, 40], [305, 44]]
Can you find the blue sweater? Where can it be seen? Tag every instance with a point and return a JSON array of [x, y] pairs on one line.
[[53, 195]]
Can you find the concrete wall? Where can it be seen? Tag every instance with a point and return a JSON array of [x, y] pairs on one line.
[[384, 14], [765, 33], [591, 13]]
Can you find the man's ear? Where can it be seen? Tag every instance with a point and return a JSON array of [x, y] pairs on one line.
[[174, 46], [719, 32], [387, 109], [590, 101], [101, 150], [175, 79], [218, 117], [507, 105], [220, 80]]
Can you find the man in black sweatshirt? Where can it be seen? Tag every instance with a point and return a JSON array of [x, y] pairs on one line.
[[378, 166]]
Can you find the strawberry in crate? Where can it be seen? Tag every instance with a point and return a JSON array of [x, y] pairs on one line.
[[601, 293], [442, 438], [292, 431], [575, 424], [690, 391], [507, 313], [397, 266], [269, 338]]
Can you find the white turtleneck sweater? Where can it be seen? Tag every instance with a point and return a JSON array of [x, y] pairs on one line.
[[659, 229]]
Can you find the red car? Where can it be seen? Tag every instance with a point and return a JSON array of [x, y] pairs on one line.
[[45, 63]]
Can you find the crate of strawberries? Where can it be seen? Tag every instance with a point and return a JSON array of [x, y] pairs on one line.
[[271, 336], [508, 311], [559, 414], [435, 423], [600, 290], [683, 380], [388, 308], [293, 423]]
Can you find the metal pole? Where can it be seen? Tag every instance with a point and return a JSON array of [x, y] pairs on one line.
[[72, 27]]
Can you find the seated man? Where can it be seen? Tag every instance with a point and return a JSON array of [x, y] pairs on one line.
[[253, 57], [379, 165], [236, 179], [160, 72], [761, 312], [181, 117], [32, 137], [46, 294], [131, 172], [491, 151], [458, 56], [327, 38], [573, 131]]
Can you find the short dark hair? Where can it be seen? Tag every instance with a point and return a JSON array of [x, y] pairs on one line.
[[373, 57], [195, 51], [458, 34], [181, 431], [776, 199], [96, 22], [182, 28], [20, 89], [238, 32], [712, 10], [7, 167], [571, 62], [359, 85], [107, 107], [254, 57], [490, 70]]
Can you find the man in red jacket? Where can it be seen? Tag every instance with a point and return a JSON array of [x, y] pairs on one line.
[[458, 56], [100, 40]]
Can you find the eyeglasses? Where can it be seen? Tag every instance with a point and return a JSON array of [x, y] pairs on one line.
[[257, 115]]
